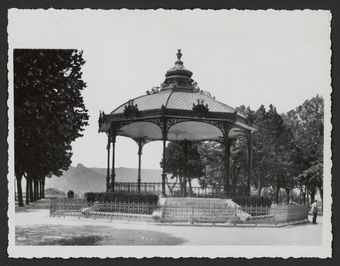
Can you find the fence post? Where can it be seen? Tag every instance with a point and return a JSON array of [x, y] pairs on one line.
[[192, 213], [214, 214], [235, 214], [256, 213], [51, 207]]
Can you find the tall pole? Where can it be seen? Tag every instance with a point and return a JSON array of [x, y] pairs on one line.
[[113, 173], [108, 164], [140, 147]]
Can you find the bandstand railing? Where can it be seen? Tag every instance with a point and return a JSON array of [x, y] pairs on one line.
[[126, 211], [145, 187], [176, 191], [182, 211]]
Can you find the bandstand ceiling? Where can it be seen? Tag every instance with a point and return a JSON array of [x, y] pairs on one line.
[[141, 130], [191, 130]]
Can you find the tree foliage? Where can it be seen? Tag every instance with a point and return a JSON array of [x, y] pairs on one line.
[[181, 165], [49, 112], [287, 152], [307, 122]]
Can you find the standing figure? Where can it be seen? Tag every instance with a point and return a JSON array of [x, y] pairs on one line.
[[314, 207]]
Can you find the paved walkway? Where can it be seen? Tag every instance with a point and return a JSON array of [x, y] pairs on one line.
[[35, 227]]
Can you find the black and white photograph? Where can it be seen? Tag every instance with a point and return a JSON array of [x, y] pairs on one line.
[[169, 133]]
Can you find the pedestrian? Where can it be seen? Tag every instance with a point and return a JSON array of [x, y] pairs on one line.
[[314, 208]]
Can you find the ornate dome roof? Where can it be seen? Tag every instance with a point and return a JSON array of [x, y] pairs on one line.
[[178, 91], [195, 114]]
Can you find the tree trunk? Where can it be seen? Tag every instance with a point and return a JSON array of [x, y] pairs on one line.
[[171, 188], [35, 194], [312, 195], [303, 196], [248, 184], [181, 185], [190, 186], [259, 188], [20, 200], [277, 194], [27, 191], [258, 183], [43, 188], [31, 190], [321, 195], [34, 190], [321, 192], [307, 197], [287, 194], [38, 189]]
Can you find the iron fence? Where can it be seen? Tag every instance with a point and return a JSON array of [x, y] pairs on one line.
[[145, 187], [175, 190], [108, 210], [213, 213], [67, 207], [181, 212], [234, 215]]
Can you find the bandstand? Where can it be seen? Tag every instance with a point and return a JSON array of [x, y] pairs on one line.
[[176, 111]]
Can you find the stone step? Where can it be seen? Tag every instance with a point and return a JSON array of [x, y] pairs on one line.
[[195, 201], [210, 210]]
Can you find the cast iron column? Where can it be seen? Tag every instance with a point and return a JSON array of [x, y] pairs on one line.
[[113, 174], [164, 134], [249, 158], [226, 165], [140, 147], [185, 149], [163, 169], [108, 164]]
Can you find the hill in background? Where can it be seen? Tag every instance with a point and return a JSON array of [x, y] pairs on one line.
[[82, 179]]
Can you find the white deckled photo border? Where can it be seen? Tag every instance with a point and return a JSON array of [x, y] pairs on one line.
[[274, 251]]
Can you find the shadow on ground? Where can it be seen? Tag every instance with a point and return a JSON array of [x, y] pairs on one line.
[[34, 206], [89, 235]]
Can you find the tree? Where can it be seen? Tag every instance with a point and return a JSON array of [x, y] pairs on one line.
[[185, 166], [213, 159], [307, 122], [272, 150], [49, 113], [262, 150], [238, 162]]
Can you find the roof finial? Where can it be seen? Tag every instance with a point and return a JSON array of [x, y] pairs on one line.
[[179, 55]]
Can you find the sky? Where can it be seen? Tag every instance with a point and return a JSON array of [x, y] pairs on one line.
[[240, 57]]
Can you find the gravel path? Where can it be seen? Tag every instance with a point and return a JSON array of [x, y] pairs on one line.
[[35, 227]]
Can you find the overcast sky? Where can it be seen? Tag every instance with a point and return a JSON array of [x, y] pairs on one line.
[[241, 57]]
